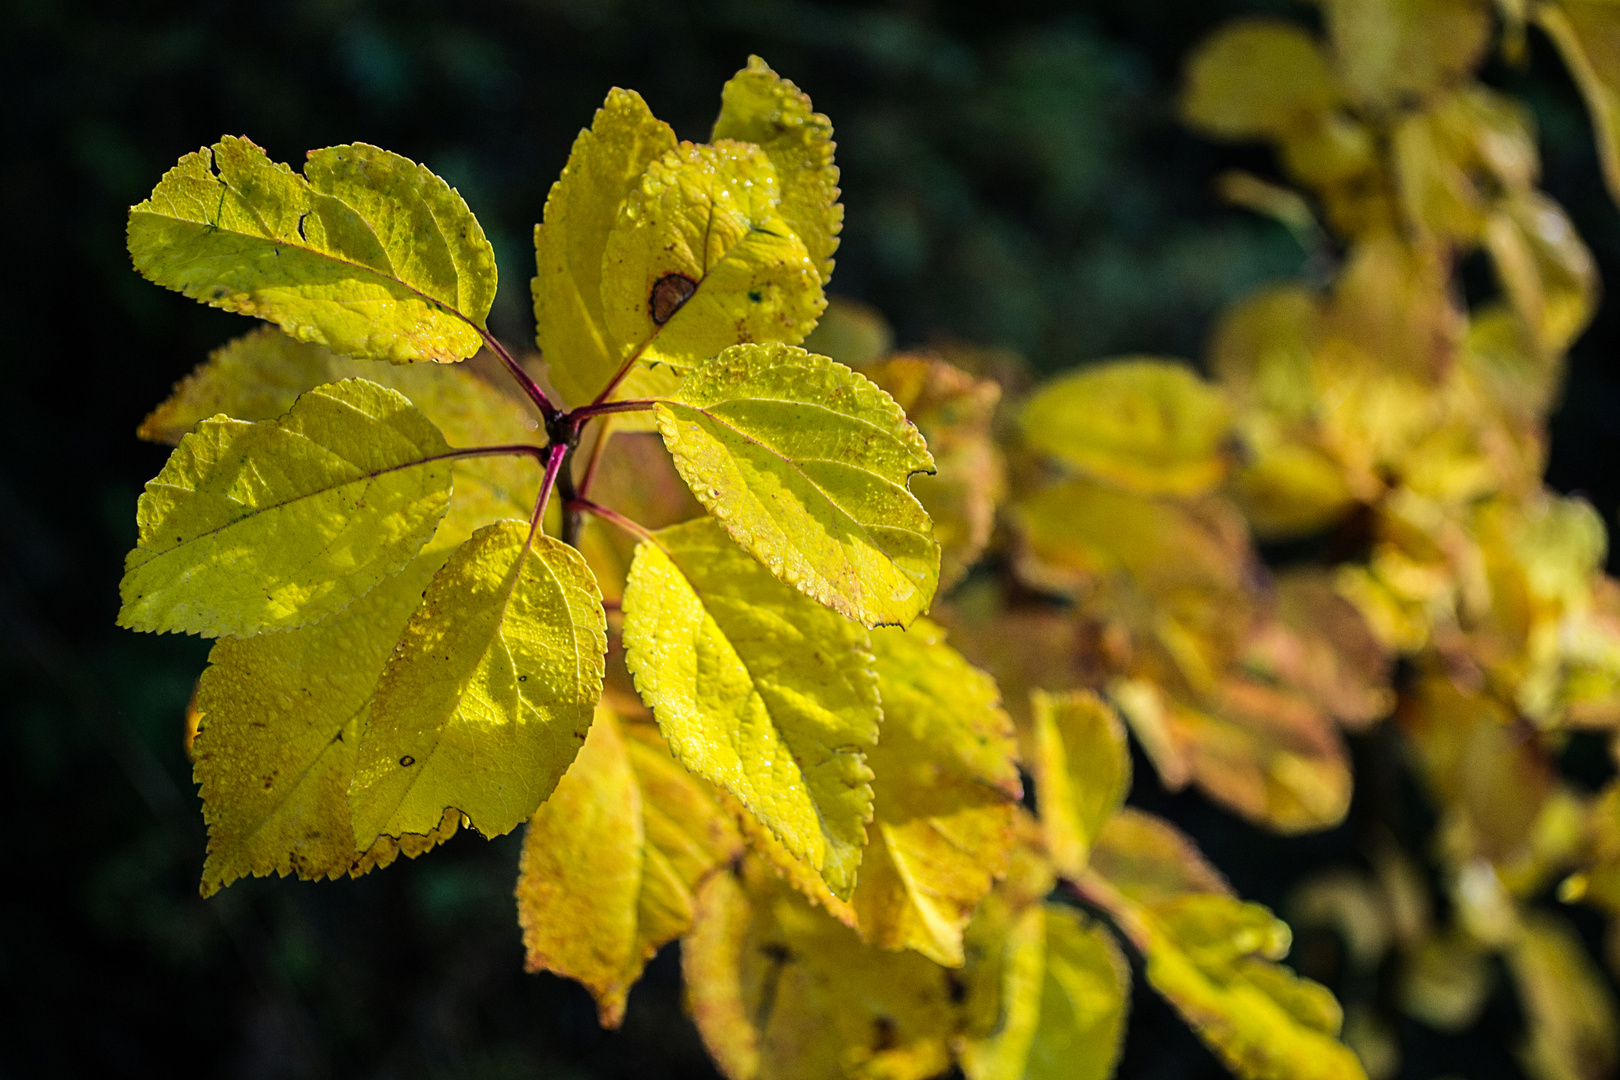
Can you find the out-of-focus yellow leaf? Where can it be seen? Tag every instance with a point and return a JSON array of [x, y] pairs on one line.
[[1082, 770], [1319, 644], [1445, 981], [1150, 426], [701, 258], [280, 523], [1283, 205], [954, 412], [607, 159], [852, 332], [1390, 50], [1257, 77], [945, 793], [489, 693], [804, 463], [1472, 148], [1569, 1008], [636, 477], [1149, 860], [1060, 989], [1545, 269], [1261, 351], [1587, 33], [1352, 904], [1393, 305], [1289, 486], [759, 106], [778, 989], [1512, 369], [758, 689], [1269, 755], [610, 861]]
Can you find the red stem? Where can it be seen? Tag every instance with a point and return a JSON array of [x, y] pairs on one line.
[[530, 387], [585, 412], [612, 516], [553, 464], [618, 376]]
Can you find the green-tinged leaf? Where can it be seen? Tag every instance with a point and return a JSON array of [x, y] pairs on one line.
[[1257, 77], [954, 411], [1569, 1008], [488, 696], [1587, 33], [607, 160], [366, 252], [852, 332], [1389, 51], [758, 690], [1062, 997], [804, 463], [271, 525], [946, 790], [1150, 426], [779, 989], [1149, 860], [611, 859], [701, 258], [281, 716], [1082, 770], [759, 106]]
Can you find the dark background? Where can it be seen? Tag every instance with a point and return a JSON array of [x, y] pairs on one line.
[[1013, 175]]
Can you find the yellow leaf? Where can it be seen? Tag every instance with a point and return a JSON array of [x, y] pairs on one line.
[[804, 463], [281, 721], [1082, 770], [1289, 486], [1545, 269], [1261, 351], [1265, 753], [1587, 33], [272, 525], [488, 695], [701, 258], [1149, 860], [1390, 50], [779, 989], [1569, 1008], [1150, 426], [759, 106], [758, 690], [366, 252], [1257, 78], [1473, 146], [606, 162], [611, 859], [945, 793], [1445, 981], [1063, 991], [1319, 643], [954, 411], [790, 868]]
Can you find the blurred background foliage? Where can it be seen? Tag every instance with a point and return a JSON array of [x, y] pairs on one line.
[[1014, 176]]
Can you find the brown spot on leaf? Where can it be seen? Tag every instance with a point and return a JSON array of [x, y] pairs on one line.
[[669, 294], [407, 761]]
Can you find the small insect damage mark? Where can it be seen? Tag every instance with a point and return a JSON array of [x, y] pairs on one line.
[[407, 761], [669, 294], [885, 1035], [755, 295]]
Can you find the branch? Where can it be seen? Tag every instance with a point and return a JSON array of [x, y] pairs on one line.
[[513, 368], [635, 529], [553, 465]]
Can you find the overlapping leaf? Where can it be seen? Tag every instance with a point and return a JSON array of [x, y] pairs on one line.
[[606, 162], [804, 463], [779, 989], [1587, 33], [611, 861], [759, 106], [488, 695], [366, 252], [1082, 770], [759, 690], [945, 787], [701, 258], [271, 525], [1568, 1004]]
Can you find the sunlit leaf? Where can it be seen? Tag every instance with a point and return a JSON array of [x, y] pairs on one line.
[[489, 693], [954, 411], [945, 791], [759, 106], [1062, 990], [1082, 770], [610, 861], [804, 463], [279, 523], [636, 478], [366, 252], [1319, 643], [1149, 860], [779, 989], [759, 690], [701, 258], [1150, 426], [606, 162], [1569, 1008]]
